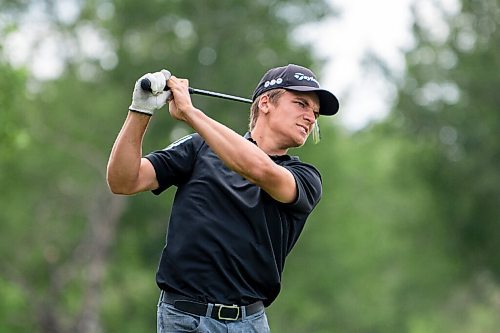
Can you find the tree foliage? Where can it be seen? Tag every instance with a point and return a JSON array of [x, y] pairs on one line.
[[448, 105], [449, 102], [403, 240]]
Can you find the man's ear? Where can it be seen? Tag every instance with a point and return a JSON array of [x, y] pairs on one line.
[[264, 103]]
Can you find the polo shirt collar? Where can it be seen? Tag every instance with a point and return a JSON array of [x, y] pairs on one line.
[[285, 157]]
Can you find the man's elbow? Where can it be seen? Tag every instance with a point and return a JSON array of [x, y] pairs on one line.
[[118, 187], [118, 190]]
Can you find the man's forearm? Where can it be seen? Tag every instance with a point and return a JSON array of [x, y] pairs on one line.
[[125, 158], [236, 152]]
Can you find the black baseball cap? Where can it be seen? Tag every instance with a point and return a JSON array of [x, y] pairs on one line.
[[297, 78]]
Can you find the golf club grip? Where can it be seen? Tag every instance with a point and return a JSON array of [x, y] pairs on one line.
[[146, 85]]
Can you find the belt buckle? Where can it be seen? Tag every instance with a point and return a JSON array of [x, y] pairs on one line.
[[222, 306]]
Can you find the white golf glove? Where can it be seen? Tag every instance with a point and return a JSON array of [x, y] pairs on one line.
[[147, 102]]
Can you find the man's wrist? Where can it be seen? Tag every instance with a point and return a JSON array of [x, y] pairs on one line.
[[141, 112], [190, 116]]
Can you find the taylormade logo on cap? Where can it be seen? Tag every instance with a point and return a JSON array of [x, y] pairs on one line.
[[300, 77]]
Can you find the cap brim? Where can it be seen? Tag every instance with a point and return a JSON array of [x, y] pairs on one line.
[[328, 103]]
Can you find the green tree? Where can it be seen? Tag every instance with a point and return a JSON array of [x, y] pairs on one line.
[[448, 105]]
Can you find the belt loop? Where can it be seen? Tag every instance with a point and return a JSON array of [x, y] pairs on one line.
[[210, 307], [243, 312]]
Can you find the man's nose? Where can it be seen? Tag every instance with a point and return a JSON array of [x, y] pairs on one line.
[[309, 116]]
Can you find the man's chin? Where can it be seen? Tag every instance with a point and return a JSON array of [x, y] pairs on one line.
[[299, 142]]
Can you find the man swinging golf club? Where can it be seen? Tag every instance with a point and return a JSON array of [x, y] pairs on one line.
[[241, 201]]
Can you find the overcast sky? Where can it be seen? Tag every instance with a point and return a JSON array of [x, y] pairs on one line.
[[380, 27]]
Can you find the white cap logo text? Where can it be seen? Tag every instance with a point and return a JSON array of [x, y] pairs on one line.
[[300, 77]]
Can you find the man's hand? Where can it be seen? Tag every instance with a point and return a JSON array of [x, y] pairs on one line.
[[147, 102], [180, 106]]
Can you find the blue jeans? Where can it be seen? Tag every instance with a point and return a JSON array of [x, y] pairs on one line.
[[171, 320]]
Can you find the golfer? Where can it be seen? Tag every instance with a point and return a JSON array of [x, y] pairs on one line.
[[241, 201]]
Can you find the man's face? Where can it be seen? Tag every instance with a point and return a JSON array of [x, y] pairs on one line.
[[294, 115]]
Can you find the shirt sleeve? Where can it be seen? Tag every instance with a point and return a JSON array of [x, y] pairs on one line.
[[309, 186], [174, 164]]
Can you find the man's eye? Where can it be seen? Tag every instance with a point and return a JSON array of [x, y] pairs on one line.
[[299, 103]]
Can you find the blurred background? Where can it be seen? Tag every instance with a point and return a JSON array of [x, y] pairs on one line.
[[407, 235]]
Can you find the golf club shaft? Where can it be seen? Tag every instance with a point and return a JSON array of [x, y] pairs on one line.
[[146, 85]]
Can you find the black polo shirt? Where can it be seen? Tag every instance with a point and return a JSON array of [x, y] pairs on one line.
[[227, 238]]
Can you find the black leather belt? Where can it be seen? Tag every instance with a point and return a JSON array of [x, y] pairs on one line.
[[212, 310]]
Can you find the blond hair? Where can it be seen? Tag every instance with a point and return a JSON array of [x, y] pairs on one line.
[[274, 96]]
